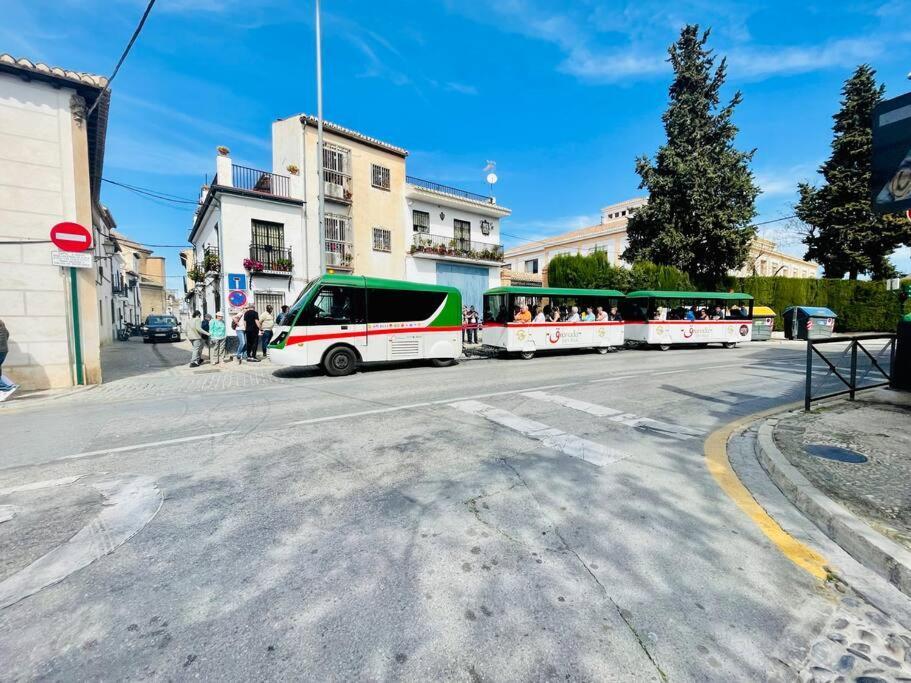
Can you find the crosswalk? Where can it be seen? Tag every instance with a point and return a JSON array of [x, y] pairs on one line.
[[575, 446]]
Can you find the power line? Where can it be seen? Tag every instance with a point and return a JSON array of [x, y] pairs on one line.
[[155, 194], [123, 56]]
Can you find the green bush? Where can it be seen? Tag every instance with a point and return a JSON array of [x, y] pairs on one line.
[[594, 271], [861, 306]]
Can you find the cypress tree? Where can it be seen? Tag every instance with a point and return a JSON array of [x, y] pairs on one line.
[[843, 234], [701, 191]]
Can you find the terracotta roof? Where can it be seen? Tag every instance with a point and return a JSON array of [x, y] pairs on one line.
[[65, 74], [354, 135]]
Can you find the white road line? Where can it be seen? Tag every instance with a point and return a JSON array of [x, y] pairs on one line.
[[151, 444], [613, 379], [38, 485], [577, 447], [615, 415]]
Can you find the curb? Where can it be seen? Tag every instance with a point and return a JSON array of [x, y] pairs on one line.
[[858, 539]]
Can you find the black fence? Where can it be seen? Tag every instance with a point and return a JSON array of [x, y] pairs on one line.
[[436, 187], [254, 180], [855, 364], [268, 257]]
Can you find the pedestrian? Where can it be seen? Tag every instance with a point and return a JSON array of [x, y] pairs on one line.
[[196, 336], [239, 325], [280, 319], [206, 321], [266, 323], [472, 325], [251, 322], [6, 387], [217, 334]]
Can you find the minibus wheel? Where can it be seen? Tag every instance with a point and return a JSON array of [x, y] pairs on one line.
[[527, 355], [664, 347], [340, 361]]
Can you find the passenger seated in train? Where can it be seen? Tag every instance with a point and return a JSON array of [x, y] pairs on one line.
[[541, 315], [615, 315], [523, 315], [600, 315], [589, 315], [574, 315], [717, 313]]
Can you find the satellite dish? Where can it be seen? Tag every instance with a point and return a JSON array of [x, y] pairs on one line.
[[491, 178]]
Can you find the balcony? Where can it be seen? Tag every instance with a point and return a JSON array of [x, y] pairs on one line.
[[337, 186], [270, 260], [263, 182], [439, 246], [339, 255], [211, 263], [445, 189]]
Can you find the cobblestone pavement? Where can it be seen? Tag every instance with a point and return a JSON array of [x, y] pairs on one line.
[[859, 643], [875, 425]]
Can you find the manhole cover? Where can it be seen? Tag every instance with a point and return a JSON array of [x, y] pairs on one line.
[[836, 453]]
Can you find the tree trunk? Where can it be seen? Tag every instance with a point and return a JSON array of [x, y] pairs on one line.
[[852, 275]]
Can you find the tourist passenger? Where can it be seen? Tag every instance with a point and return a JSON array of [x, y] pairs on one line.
[[589, 316], [574, 316], [251, 321], [702, 315], [196, 336], [217, 334], [239, 325], [615, 315], [524, 315], [717, 313], [541, 315], [280, 318], [690, 314], [555, 318], [472, 325], [266, 323], [600, 315]]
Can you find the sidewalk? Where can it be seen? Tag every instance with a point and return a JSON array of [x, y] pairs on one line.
[[857, 492]]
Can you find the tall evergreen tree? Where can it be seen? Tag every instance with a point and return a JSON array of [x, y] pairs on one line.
[[701, 190], [844, 235]]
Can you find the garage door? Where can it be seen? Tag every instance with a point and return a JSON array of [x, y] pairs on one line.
[[472, 281]]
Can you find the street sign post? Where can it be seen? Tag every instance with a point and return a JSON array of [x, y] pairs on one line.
[[890, 179], [73, 238], [237, 280], [237, 298]]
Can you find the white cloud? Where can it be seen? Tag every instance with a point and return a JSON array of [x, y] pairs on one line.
[[757, 62], [461, 88]]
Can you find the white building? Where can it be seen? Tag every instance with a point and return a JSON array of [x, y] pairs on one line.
[[256, 233]]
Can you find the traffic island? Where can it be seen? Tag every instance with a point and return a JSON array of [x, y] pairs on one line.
[[846, 466]]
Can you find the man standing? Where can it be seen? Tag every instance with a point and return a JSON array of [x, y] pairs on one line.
[[206, 320], [280, 319], [195, 335], [217, 334], [251, 323], [266, 323], [6, 389]]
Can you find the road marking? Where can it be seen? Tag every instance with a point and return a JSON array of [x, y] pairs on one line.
[[131, 504], [616, 415], [716, 460], [577, 447], [150, 444], [38, 485]]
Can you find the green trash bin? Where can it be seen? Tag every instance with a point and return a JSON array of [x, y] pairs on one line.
[[763, 323]]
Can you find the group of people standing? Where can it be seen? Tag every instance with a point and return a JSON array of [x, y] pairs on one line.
[[254, 332], [470, 324]]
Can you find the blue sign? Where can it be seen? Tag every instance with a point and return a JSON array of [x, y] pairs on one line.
[[237, 299], [237, 280]]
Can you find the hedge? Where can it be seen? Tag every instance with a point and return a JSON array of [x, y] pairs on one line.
[[861, 306], [594, 271]]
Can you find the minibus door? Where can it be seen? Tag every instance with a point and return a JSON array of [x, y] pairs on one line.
[[337, 315]]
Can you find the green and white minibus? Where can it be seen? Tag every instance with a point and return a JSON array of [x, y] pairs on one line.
[[664, 318], [552, 323], [339, 321]]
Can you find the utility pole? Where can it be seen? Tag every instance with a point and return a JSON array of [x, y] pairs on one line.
[[319, 147]]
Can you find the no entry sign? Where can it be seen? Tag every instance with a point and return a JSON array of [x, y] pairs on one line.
[[71, 237]]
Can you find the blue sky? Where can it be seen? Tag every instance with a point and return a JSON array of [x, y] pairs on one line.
[[562, 95]]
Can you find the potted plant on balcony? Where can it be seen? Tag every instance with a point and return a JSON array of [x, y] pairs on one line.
[[210, 262], [196, 274], [283, 264], [293, 169], [252, 265], [222, 150]]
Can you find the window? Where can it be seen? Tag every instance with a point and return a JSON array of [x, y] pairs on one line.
[[263, 299], [495, 308], [461, 234], [339, 250], [382, 239], [396, 306], [268, 245], [420, 220], [379, 176], [531, 266], [336, 306]]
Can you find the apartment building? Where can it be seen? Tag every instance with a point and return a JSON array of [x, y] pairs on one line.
[[610, 237], [256, 233], [51, 157]]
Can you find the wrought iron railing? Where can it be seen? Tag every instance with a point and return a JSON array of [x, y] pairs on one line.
[[440, 245], [437, 187], [860, 364], [211, 262], [339, 254], [268, 257], [255, 180]]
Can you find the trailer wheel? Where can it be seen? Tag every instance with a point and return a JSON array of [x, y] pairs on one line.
[[664, 347], [730, 345], [527, 355], [602, 349]]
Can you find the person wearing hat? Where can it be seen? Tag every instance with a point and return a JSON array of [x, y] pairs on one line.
[[217, 334]]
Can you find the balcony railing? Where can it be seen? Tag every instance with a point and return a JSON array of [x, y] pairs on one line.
[[445, 189], [440, 245], [339, 254], [211, 262], [254, 180], [265, 257], [337, 186]]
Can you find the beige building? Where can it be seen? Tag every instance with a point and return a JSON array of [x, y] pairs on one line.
[[151, 272], [527, 262], [51, 157]]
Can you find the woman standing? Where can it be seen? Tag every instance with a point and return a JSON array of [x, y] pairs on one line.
[[240, 327]]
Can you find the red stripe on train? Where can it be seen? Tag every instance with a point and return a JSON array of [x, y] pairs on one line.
[[348, 335], [556, 324]]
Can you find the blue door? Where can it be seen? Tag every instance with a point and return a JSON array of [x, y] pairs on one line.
[[471, 281]]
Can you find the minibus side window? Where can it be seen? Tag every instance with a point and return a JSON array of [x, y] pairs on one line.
[[336, 306], [402, 305]]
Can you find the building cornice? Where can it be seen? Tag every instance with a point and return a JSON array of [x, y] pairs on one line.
[[354, 135]]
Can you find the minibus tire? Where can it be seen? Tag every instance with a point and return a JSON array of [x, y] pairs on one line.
[[442, 362], [664, 347], [339, 361], [729, 345], [526, 355], [602, 349]]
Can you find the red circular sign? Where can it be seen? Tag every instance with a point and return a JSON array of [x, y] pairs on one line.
[[71, 237]]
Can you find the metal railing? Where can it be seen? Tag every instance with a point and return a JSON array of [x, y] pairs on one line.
[[275, 259], [337, 186], [211, 262], [844, 366], [255, 180], [339, 254], [440, 245], [437, 187]]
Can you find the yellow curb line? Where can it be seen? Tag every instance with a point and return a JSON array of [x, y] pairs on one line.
[[716, 460]]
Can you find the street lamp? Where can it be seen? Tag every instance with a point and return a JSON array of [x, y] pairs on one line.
[[319, 145]]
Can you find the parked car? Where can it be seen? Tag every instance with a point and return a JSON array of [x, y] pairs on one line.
[[160, 328]]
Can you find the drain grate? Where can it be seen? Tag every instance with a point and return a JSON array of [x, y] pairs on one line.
[[836, 453]]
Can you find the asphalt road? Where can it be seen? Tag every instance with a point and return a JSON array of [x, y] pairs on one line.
[[498, 520]]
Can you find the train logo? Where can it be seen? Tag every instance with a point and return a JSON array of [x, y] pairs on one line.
[[554, 339]]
